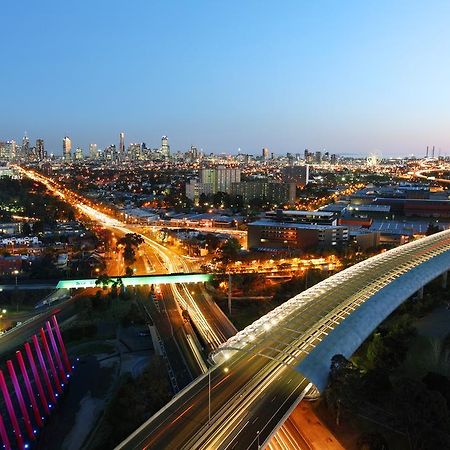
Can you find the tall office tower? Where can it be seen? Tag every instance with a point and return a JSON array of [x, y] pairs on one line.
[[25, 146], [40, 152], [298, 175], [193, 153], [67, 149], [134, 150], [165, 148], [333, 159], [7, 150], [265, 154], [318, 158], [78, 156], [122, 144], [109, 153], [93, 151]]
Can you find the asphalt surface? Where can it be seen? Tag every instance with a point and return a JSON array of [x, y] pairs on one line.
[[255, 388]]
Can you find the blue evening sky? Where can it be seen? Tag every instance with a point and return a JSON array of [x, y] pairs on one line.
[[350, 77]]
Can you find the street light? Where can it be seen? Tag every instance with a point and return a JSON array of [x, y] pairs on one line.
[[209, 395], [16, 272], [257, 437]]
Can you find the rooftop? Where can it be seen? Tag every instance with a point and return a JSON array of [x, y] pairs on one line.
[[303, 226]]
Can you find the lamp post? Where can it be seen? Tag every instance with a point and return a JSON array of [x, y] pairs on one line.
[[257, 437], [209, 395], [15, 273], [2, 316]]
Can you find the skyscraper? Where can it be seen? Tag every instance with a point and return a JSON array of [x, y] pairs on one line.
[[78, 154], [25, 146], [122, 145], [93, 151], [67, 147], [134, 151], [7, 150], [265, 154], [40, 151], [165, 148]]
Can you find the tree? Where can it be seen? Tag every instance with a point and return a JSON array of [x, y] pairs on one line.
[[130, 242], [344, 386], [115, 287], [26, 229], [230, 250], [213, 242], [104, 281], [432, 229], [372, 441], [420, 411]]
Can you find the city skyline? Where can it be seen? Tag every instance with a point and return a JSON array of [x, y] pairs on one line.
[[350, 79]]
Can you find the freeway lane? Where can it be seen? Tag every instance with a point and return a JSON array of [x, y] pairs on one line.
[[260, 386], [185, 423], [11, 341]]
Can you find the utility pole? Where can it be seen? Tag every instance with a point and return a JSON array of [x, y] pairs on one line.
[[229, 293]]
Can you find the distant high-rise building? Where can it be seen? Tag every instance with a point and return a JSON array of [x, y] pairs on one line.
[[225, 177], [40, 150], [122, 144], [298, 175], [93, 151], [67, 149], [165, 148], [134, 151], [220, 178], [193, 153], [78, 156], [318, 158], [7, 150], [110, 153], [25, 146], [308, 156], [333, 159], [265, 154], [208, 176]]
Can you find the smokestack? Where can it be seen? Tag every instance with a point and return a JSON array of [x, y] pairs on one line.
[[427, 152], [432, 153]]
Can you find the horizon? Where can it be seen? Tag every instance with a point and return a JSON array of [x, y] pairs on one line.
[[350, 79]]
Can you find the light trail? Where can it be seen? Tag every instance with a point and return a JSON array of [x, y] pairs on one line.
[[214, 338], [172, 261]]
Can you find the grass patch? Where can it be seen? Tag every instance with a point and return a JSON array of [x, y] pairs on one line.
[[95, 348]]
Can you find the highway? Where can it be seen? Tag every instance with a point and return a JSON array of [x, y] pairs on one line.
[[256, 382], [213, 333], [211, 323]]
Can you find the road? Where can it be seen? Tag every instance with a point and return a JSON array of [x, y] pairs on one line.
[[255, 384], [207, 318], [13, 339]]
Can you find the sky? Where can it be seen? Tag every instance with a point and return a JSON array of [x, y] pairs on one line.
[[350, 77]]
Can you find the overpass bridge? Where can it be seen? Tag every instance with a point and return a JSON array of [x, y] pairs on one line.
[[171, 278], [261, 374]]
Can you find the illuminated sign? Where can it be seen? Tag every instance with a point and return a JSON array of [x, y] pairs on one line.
[[136, 281]]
